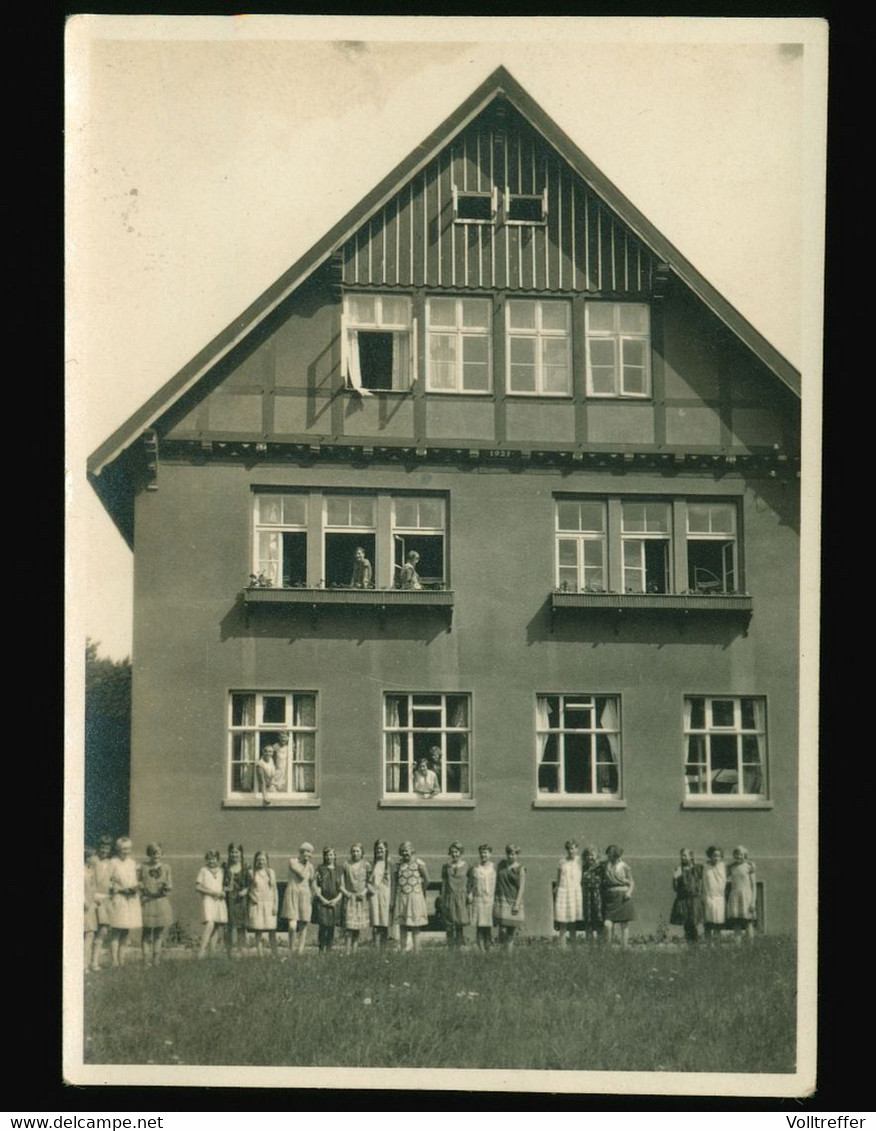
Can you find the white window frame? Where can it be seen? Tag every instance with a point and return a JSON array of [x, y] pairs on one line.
[[491, 194], [638, 539], [616, 539], [437, 737], [581, 539], [728, 581], [404, 337], [707, 777], [542, 197], [459, 332], [269, 567], [544, 731], [540, 335], [316, 502], [404, 536], [618, 338], [359, 529], [263, 732]]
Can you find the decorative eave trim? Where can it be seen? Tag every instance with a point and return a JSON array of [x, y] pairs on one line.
[[515, 457], [499, 83]]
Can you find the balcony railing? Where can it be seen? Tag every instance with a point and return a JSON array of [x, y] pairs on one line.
[[738, 604], [379, 600]]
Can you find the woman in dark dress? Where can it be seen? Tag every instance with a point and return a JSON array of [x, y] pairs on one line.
[[687, 883], [592, 918], [327, 898], [617, 895]]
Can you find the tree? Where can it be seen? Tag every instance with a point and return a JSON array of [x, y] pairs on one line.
[[107, 743]]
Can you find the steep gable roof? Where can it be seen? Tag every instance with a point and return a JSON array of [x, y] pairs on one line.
[[499, 84]]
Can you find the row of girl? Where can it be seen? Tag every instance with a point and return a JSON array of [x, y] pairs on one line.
[[592, 894], [595, 895]]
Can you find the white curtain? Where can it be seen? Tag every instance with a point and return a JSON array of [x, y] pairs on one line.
[[608, 721], [393, 745], [350, 363], [542, 719]]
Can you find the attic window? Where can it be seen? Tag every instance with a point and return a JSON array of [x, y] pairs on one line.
[[378, 342], [474, 207], [522, 208]]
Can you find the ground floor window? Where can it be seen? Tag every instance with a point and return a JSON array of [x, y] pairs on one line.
[[725, 746], [272, 744], [578, 744], [427, 745]]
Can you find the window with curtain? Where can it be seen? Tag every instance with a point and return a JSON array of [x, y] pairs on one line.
[[378, 342], [459, 351], [578, 744], [280, 538], [539, 346], [431, 734], [683, 545], [277, 730], [618, 338], [725, 746]]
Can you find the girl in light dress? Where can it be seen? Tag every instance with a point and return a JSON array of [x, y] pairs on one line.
[[298, 898], [89, 929], [617, 896], [454, 895], [410, 881], [124, 887], [210, 885], [101, 865], [265, 770], [714, 893], [156, 884], [327, 897], [481, 890], [236, 887], [687, 907], [592, 918], [355, 875], [568, 901], [508, 911], [263, 901], [742, 897], [380, 894]]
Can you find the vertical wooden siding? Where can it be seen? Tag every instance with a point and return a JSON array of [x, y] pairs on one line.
[[413, 241]]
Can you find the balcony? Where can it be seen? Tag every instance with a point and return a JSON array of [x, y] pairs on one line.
[[679, 604], [382, 601]]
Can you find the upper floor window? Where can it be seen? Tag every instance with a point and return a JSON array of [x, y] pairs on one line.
[[426, 745], [281, 539], [581, 545], [646, 545], [378, 341], [350, 527], [645, 531], [459, 356], [345, 539], [725, 746], [711, 547], [538, 341], [474, 207], [618, 349], [271, 745], [418, 525], [525, 208], [578, 744]]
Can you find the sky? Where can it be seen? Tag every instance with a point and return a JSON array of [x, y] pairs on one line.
[[206, 154]]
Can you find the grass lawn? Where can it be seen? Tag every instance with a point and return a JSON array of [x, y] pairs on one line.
[[648, 1008]]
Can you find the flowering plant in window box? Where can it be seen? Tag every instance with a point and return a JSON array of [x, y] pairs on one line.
[[259, 581]]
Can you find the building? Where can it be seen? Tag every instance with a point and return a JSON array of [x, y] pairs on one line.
[[497, 363]]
